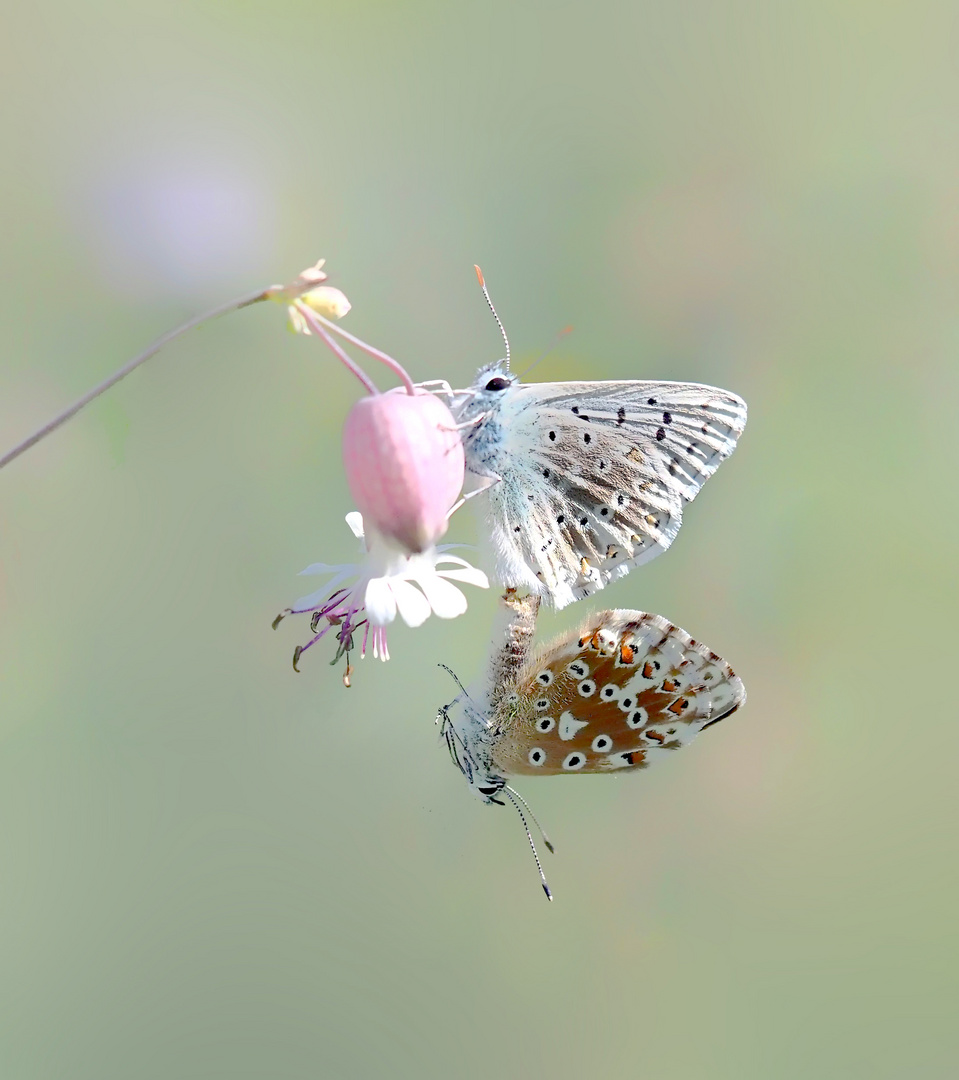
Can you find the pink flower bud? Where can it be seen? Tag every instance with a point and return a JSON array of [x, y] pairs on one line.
[[404, 464]]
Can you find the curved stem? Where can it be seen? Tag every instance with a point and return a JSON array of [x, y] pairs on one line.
[[315, 323], [394, 365], [90, 395]]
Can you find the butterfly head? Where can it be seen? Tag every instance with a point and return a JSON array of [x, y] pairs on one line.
[[467, 735]]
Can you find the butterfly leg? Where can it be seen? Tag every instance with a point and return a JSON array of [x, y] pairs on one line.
[[487, 483], [437, 386], [476, 420]]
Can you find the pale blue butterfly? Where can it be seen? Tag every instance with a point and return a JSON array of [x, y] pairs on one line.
[[585, 480]]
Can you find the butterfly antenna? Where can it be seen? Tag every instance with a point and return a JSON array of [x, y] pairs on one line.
[[454, 677], [529, 810], [549, 348], [529, 837], [479, 276]]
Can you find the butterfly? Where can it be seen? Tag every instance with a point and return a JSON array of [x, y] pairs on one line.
[[585, 480], [623, 691]]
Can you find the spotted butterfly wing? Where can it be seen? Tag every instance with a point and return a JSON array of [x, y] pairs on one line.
[[628, 689], [588, 479]]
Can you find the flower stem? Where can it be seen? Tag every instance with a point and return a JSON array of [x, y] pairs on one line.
[[315, 322], [112, 380], [394, 365]]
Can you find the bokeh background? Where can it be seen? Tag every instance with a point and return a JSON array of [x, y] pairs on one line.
[[213, 867]]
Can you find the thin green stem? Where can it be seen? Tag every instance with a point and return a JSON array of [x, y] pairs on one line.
[[112, 380]]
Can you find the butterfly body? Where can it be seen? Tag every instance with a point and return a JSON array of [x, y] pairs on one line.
[[626, 689], [588, 479]]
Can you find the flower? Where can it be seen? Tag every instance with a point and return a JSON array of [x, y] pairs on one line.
[[383, 586], [404, 464], [308, 288]]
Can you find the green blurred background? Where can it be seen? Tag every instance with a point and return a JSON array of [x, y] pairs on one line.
[[213, 867]]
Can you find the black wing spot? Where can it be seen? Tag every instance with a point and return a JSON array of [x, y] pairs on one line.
[[575, 410], [560, 519], [546, 473], [604, 512], [660, 434], [621, 415], [552, 436], [584, 521], [667, 418], [651, 401], [587, 438], [620, 499], [516, 528]]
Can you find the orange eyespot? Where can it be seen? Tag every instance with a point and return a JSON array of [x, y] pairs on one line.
[[648, 670], [626, 654], [678, 705]]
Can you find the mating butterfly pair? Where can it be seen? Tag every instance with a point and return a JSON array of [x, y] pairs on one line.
[[584, 481]]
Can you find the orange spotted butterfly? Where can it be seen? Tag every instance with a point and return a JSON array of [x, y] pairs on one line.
[[626, 689]]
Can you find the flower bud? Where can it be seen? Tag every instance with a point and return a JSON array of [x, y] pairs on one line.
[[328, 301], [404, 464]]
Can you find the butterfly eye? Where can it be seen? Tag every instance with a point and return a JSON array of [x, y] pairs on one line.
[[499, 383]]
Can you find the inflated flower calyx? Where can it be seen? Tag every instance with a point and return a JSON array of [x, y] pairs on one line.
[[404, 464]]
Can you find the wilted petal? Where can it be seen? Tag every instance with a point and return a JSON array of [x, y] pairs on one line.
[[413, 606], [380, 602], [445, 599], [297, 322]]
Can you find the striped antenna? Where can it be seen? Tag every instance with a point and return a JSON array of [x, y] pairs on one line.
[[479, 276]]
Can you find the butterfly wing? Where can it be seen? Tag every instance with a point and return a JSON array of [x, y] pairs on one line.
[[595, 476], [627, 689]]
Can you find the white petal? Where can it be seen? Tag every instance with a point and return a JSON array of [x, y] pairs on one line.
[[355, 521], [470, 575], [440, 555], [379, 601], [307, 603], [321, 568], [412, 604], [445, 599]]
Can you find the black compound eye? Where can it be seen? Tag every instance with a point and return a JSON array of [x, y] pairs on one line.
[[487, 790], [499, 383]]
